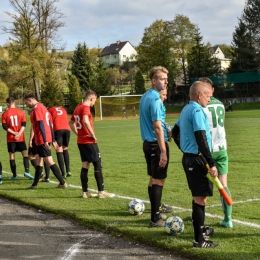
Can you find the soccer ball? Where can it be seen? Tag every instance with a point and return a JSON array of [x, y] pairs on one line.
[[136, 207], [174, 225]]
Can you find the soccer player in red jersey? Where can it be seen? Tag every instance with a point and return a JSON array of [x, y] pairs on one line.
[[43, 134], [61, 130], [81, 123], [14, 123]]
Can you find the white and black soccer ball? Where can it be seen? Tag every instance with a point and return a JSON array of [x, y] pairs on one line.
[[174, 225], [136, 207]]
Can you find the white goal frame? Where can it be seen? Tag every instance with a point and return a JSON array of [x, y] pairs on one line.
[[100, 105]]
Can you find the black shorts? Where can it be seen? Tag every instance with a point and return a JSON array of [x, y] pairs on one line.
[[89, 152], [42, 151], [13, 147], [62, 137], [196, 172], [152, 155], [32, 150]]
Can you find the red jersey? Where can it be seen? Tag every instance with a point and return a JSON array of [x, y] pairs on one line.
[[59, 118], [14, 118], [40, 113], [83, 132]]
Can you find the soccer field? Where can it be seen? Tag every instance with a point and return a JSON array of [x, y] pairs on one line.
[[124, 171]]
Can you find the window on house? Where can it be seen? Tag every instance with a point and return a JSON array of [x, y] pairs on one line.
[[124, 56], [115, 56]]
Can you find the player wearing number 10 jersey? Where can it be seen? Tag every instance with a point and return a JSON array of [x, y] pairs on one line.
[[62, 136], [215, 111], [14, 123]]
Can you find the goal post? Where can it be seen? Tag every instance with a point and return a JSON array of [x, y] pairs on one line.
[[116, 106]]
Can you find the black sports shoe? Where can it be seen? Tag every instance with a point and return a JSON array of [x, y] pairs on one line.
[[204, 244], [207, 232], [165, 209], [158, 223]]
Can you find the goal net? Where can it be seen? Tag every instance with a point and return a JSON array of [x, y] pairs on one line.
[[110, 107]]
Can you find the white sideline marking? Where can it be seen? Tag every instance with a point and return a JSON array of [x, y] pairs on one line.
[[177, 209], [72, 251]]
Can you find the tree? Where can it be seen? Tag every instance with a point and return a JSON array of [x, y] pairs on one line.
[[4, 92], [101, 82], [243, 52], [200, 64], [34, 30], [251, 20], [156, 48], [182, 31], [51, 94], [139, 83], [75, 94], [81, 67]]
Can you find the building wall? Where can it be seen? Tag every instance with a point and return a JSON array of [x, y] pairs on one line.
[[126, 52]]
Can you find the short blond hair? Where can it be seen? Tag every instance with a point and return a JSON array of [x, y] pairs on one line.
[[198, 87], [154, 71]]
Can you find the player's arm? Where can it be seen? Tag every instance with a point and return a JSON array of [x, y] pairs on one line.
[[176, 135], [7, 129], [204, 149], [73, 127], [31, 136], [88, 126], [157, 125], [42, 130]]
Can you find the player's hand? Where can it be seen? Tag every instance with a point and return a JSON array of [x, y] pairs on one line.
[[47, 146], [55, 145], [93, 137], [213, 171], [163, 160]]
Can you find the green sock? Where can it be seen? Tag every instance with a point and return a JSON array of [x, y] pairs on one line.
[[226, 208]]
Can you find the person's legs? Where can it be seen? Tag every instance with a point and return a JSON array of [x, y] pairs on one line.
[[12, 166], [227, 210]]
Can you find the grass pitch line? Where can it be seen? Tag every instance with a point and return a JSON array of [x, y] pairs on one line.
[[179, 209]]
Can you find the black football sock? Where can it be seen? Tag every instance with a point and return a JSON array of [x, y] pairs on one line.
[[13, 167], [1, 168], [149, 192], [26, 164], [61, 163], [56, 171], [66, 160], [156, 195], [47, 170], [198, 218], [37, 175], [33, 163], [98, 175], [84, 179]]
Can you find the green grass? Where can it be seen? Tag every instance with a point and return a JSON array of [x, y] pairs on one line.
[[124, 171]]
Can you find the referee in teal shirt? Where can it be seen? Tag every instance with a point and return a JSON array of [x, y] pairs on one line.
[[155, 140], [192, 135]]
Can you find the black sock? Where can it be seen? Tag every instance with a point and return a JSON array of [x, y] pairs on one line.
[[33, 163], [37, 175], [56, 171], [13, 167], [99, 180], [149, 192], [61, 163], [84, 179], [198, 218], [66, 160], [47, 170], [1, 168], [26, 164], [156, 195]]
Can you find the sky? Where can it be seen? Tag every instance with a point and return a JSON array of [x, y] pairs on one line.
[[99, 23]]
